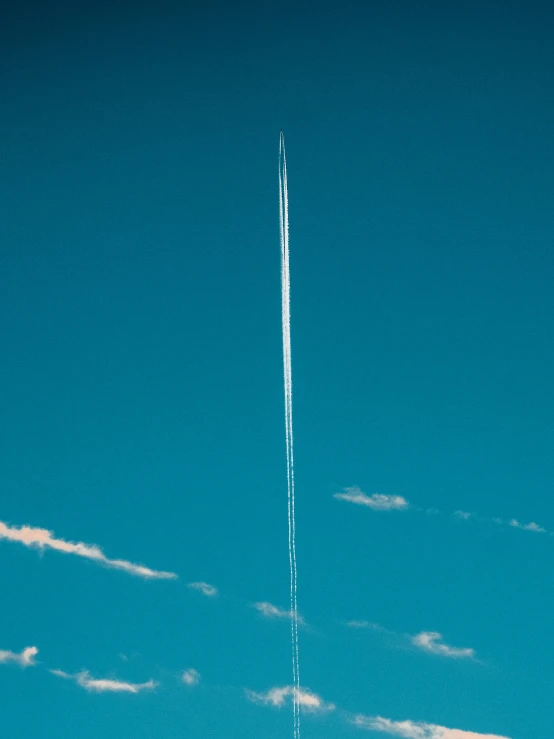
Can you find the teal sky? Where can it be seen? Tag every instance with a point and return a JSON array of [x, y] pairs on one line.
[[142, 397]]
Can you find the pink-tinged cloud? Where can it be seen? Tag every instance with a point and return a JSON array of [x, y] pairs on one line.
[[26, 658], [416, 729], [277, 697], [377, 501], [431, 641], [43, 539]]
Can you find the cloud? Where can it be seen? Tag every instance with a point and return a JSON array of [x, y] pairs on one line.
[[417, 730], [277, 697], [514, 523], [270, 611], [111, 686], [205, 588], [190, 677], [365, 625], [463, 515], [92, 685], [26, 658], [44, 539], [62, 674], [376, 501], [527, 526], [429, 642]]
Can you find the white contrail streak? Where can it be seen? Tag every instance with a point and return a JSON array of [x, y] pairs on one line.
[[285, 316]]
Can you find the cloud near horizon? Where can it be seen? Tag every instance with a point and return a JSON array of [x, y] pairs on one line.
[[377, 501], [25, 658], [84, 680], [42, 539], [429, 641], [270, 611], [210, 591], [416, 729], [277, 697]]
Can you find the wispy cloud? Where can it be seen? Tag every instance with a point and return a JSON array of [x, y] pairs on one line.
[[527, 526], [365, 625], [427, 641], [431, 641], [33, 537], [61, 673], [270, 611], [277, 697], [190, 677], [26, 658], [464, 515], [380, 502], [93, 685], [377, 501], [416, 729], [514, 523], [210, 591]]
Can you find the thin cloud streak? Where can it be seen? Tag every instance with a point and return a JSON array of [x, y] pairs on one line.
[[25, 658], [92, 685], [210, 591], [430, 641], [416, 729], [42, 539], [289, 438], [513, 523], [277, 697], [380, 502], [61, 673], [377, 501], [366, 625], [270, 611], [111, 686]]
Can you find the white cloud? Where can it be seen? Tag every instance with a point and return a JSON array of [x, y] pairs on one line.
[[205, 588], [527, 526], [190, 676], [111, 686], [376, 501], [429, 641], [270, 611], [416, 729], [92, 685], [365, 625], [278, 696], [43, 539], [62, 674], [463, 514], [26, 658]]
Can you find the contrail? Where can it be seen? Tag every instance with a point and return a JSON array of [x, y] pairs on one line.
[[285, 316]]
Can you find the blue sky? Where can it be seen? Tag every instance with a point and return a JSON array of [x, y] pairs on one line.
[[143, 400]]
